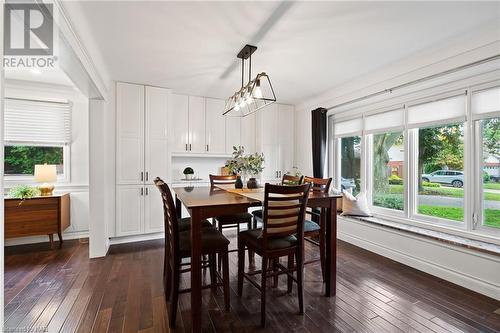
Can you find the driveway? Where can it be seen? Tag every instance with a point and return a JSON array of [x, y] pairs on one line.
[[434, 200]]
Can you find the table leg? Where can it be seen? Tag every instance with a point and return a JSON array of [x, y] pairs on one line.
[[195, 270], [178, 207], [51, 240], [331, 249]]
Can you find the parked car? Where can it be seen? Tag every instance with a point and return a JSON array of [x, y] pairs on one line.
[[449, 177], [347, 183]]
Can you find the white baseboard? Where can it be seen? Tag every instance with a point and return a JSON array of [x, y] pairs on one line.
[[45, 239], [465, 267], [136, 238]]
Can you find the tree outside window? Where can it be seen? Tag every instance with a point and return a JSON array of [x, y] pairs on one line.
[[21, 159]]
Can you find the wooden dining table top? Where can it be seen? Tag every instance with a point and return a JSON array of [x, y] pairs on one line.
[[193, 197]]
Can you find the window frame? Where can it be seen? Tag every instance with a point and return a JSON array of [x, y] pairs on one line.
[[63, 178], [473, 193]]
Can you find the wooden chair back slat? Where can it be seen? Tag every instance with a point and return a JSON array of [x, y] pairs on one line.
[[291, 180], [319, 184], [222, 180], [284, 209]]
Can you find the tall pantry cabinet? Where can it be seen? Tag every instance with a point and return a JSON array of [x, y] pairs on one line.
[[141, 155]]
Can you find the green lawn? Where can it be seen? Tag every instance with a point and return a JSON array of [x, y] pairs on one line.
[[457, 214], [445, 192], [492, 186]]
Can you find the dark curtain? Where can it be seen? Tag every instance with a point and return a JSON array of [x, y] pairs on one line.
[[319, 128]]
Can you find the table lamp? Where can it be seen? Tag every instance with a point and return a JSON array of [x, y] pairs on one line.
[[45, 173]]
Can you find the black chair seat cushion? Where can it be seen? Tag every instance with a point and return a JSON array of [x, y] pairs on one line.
[[253, 239], [235, 218], [258, 214], [184, 224], [310, 226], [212, 240]]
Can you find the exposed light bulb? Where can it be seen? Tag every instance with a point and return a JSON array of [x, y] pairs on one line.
[[257, 92], [236, 106]]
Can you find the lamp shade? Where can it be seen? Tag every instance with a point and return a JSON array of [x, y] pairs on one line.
[[45, 173]]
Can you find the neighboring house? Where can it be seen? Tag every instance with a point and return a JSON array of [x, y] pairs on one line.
[[396, 158], [492, 166]]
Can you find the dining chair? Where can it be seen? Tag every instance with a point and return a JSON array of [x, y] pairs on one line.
[[311, 226], [231, 220], [282, 235], [286, 180], [178, 247]]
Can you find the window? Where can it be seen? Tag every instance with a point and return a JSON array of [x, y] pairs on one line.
[[489, 130], [388, 170], [36, 132], [350, 159], [440, 178]]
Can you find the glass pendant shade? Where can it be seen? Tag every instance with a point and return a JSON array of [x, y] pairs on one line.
[[257, 94]]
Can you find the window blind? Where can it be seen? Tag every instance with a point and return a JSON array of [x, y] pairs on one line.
[[438, 112], [348, 127], [486, 101], [37, 121], [385, 121]]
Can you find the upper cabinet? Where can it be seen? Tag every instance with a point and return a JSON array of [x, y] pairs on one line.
[[215, 126], [179, 120], [198, 126], [141, 135], [130, 133]]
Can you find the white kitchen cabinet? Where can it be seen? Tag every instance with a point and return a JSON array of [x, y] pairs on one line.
[[129, 210], [275, 138], [142, 114], [248, 133], [153, 210], [156, 139], [130, 133], [215, 128], [233, 133], [196, 124], [179, 123]]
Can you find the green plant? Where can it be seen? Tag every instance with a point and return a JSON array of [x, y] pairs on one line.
[[395, 180], [24, 192], [429, 184], [486, 177], [188, 171], [388, 201], [245, 164]]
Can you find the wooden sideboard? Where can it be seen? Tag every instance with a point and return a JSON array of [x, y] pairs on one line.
[[37, 216]]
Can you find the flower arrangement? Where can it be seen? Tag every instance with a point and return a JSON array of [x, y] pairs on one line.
[[242, 164]]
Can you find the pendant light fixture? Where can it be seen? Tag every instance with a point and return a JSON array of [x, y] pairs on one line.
[[252, 96]]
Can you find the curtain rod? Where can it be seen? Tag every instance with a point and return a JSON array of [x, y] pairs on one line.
[[426, 78], [36, 100]]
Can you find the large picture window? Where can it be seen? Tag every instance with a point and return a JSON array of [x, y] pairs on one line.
[[350, 159], [20, 160], [441, 172], [388, 170]]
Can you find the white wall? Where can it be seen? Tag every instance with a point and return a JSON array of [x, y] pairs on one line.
[[465, 267], [78, 184]]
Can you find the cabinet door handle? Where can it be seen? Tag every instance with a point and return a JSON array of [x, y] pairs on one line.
[[147, 191], [147, 175], [207, 147], [142, 190], [142, 176], [189, 147], [186, 147]]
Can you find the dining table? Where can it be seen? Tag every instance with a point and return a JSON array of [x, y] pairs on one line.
[[208, 202]]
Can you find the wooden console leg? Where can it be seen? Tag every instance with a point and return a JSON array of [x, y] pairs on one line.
[[51, 240], [59, 234]]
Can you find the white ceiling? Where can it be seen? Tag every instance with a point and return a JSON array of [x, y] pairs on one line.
[[305, 47]]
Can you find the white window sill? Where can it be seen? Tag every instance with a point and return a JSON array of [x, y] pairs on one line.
[[473, 244]]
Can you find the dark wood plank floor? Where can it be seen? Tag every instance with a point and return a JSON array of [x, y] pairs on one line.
[[63, 291]]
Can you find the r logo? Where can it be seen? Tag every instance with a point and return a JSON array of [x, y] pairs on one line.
[[28, 29]]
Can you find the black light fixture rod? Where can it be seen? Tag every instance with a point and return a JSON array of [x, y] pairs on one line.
[[242, 71], [250, 68]]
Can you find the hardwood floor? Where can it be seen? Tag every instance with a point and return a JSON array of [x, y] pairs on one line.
[[63, 291]]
